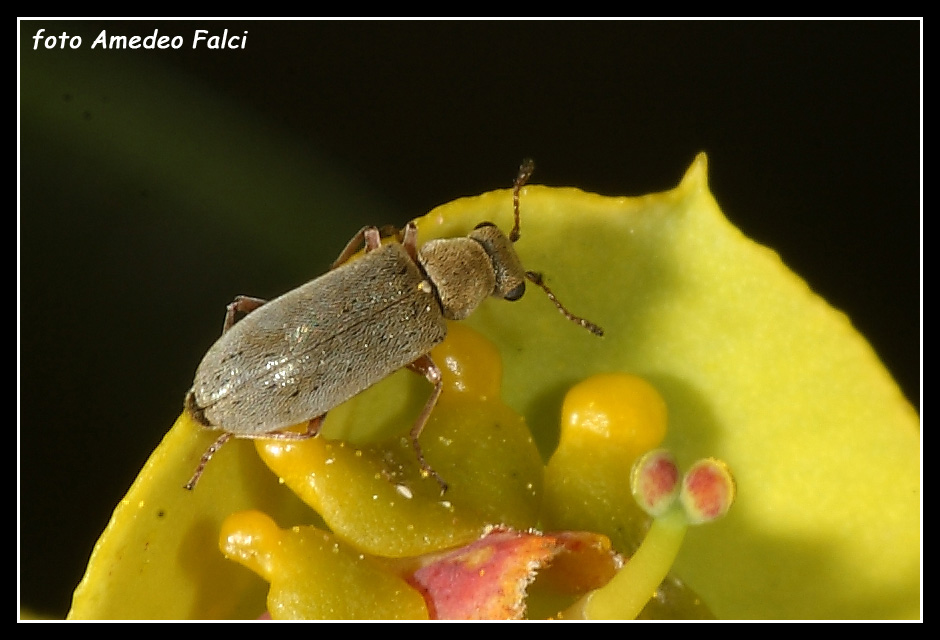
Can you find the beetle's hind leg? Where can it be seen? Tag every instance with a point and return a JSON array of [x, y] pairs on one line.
[[313, 428], [225, 437], [241, 304]]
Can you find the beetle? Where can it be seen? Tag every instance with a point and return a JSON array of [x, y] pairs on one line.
[[295, 358]]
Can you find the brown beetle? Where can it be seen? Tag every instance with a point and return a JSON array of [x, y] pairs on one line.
[[298, 356]]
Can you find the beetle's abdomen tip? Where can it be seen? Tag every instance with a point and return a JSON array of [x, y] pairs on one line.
[[198, 413]]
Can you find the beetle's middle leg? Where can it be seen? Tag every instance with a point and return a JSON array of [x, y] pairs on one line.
[[370, 236], [313, 429], [426, 367]]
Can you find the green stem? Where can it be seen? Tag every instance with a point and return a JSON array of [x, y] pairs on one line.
[[632, 587]]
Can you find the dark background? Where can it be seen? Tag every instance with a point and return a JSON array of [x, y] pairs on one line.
[[156, 185]]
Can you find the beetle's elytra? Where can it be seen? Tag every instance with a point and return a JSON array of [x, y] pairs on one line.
[[296, 357]]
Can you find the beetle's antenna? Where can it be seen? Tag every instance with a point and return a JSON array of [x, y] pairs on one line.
[[525, 172], [536, 278]]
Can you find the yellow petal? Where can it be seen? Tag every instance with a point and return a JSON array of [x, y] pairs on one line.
[[754, 369], [313, 576], [158, 557]]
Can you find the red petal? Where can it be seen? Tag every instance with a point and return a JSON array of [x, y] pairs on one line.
[[487, 579]]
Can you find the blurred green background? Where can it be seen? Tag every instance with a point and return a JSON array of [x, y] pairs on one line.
[[157, 185]]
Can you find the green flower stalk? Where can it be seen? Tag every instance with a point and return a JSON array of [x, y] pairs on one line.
[[706, 490]]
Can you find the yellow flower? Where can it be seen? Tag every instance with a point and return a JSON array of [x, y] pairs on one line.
[[753, 368]]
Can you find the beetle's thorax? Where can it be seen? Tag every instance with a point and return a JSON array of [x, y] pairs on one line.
[[465, 271]]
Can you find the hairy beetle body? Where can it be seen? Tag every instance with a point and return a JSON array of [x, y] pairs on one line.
[[302, 354], [299, 355]]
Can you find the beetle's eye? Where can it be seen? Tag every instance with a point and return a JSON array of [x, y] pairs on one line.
[[484, 224], [515, 293]]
